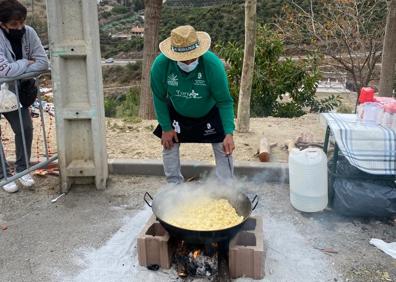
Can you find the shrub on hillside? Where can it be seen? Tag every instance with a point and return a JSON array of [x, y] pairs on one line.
[[122, 74], [105, 14], [119, 10], [125, 106], [112, 47]]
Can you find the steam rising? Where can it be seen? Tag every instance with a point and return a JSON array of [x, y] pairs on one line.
[[171, 196]]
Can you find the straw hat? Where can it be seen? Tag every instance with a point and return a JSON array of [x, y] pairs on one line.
[[185, 44]]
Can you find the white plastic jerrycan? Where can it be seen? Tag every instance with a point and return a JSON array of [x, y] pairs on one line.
[[308, 179]]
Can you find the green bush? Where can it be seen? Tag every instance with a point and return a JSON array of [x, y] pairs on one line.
[[105, 15], [122, 74], [119, 10], [126, 106], [275, 77], [129, 107], [138, 5], [110, 105]]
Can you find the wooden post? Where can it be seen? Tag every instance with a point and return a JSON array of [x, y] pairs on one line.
[[264, 151]]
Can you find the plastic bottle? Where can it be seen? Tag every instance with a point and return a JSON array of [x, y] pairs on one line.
[[389, 115], [370, 114]]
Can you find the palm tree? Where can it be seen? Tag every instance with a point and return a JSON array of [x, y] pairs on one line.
[[152, 15], [389, 52], [243, 116]]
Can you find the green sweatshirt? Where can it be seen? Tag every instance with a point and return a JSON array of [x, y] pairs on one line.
[[193, 94]]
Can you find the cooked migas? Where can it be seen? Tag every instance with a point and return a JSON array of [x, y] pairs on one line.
[[205, 214]]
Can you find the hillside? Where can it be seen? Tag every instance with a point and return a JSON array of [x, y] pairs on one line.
[[189, 3], [223, 20]]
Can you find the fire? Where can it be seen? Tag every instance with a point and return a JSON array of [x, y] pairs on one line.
[[196, 253]]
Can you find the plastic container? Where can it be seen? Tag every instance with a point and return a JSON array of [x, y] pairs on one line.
[[308, 179], [366, 95], [389, 115], [393, 126], [380, 115], [369, 113], [384, 100]]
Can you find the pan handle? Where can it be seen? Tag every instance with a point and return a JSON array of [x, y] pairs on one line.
[[255, 202], [149, 202]]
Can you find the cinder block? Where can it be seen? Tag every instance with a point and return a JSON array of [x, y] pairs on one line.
[[253, 224], [246, 255], [153, 245]]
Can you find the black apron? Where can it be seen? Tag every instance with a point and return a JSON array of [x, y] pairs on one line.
[[206, 129]]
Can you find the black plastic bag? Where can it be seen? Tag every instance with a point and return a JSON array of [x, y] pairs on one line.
[[364, 198], [357, 193], [27, 92]]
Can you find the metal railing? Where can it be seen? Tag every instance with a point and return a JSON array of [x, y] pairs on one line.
[[48, 159]]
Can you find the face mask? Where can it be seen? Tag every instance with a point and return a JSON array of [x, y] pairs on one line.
[[188, 68], [16, 34]]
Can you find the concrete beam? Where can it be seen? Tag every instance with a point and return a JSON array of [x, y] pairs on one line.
[[270, 172], [78, 91]]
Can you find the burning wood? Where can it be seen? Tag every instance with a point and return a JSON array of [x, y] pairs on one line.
[[196, 261], [196, 253]]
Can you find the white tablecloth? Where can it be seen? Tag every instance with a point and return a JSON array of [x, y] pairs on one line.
[[371, 148]]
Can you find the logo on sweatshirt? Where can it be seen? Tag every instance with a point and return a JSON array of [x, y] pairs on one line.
[[172, 80], [199, 81], [187, 95]]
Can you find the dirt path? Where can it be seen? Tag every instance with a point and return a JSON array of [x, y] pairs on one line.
[[135, 140]]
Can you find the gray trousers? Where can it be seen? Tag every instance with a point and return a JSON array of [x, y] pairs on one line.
[[171, 158], [13, 119]]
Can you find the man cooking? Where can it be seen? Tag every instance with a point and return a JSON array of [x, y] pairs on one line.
[[192, 101]]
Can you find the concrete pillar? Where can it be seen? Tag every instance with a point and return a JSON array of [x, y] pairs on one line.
[[78, 91]]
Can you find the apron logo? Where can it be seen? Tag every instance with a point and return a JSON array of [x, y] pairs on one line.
[[176, 126], [199, 75], [172, 80], [210, 130]]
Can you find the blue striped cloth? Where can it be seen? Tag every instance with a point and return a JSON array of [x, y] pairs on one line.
[[370, 148]]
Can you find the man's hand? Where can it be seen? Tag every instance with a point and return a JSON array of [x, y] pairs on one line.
[[167, 139], [228, 144]]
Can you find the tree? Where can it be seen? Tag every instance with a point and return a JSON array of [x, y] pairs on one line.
[[389, 52], [281, 86], [243, 117], [152, 15], [348, 33]]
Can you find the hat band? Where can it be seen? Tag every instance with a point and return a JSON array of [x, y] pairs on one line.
[[185, 49]]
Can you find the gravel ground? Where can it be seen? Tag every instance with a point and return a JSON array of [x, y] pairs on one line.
[[90, 235]]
